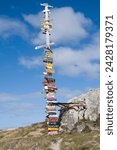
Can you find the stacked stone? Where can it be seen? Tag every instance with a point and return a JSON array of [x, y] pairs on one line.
[[49, 81]]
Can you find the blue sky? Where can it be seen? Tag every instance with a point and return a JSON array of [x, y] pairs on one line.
[[76, 34]]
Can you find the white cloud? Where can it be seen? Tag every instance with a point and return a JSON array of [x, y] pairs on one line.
[[34, 20], [5, 97], [18, 108], [30, 62], [10, 27], [68, 26], [10, 101], [74, 62], [19, 103], [67, 94]]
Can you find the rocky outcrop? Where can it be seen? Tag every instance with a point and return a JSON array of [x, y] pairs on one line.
[[91, 113]]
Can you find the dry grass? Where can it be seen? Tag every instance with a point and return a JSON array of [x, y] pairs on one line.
[[83, 141], [35, 137]]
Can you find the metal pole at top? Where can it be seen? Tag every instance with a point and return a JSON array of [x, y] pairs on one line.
[[47, 27]]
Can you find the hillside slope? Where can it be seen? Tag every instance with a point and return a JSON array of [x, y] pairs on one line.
[[35, 137], [83, 136]]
